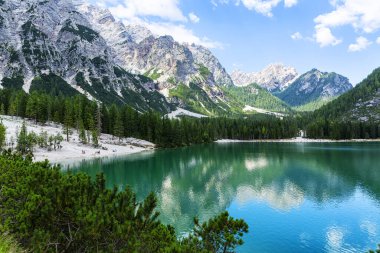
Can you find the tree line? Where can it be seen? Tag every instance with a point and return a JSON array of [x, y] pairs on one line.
[[342, 130], [340, 119], [89, 117]]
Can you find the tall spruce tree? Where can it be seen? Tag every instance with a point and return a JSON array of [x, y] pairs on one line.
[[118, 127], [22, 139], [82, 133], [2, 135], [68, 120], [98, 118]]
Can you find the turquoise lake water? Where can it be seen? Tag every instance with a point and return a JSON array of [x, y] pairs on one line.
[[296, 197]]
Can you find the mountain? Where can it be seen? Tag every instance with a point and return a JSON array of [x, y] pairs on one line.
[[75, 47], [275, 77], [362, 103], [315, 85], [46, 45], [70, 47], [255, 96], [138, 50], [314, 105], [176, 68], [78, 48]]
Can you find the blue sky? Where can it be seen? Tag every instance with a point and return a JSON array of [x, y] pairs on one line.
[[332, 35]]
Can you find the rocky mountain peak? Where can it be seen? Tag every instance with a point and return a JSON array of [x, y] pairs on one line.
[[159, 57], [138, 32], [275, 77], [315, 85], [54, 45]]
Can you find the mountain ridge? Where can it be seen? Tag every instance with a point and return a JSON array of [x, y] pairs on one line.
[[52, 37], [315, 85], [83, 48], [104, 59], [362, 103], [275, 77]]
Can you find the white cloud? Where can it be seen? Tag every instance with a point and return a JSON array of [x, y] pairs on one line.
[[181, 34], [362, 15], [194, 18], [324, 37], [217, 2], [264, 7], [261, 6], [297, 36], [290, 3], [378, 40], [165, 9], [361, 44], [171, 20]]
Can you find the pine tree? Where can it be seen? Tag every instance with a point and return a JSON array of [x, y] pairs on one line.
[[51, 142], [95, 140], [31, 141], [98, 117], [68, 120], [32, 107], [118, 127], [113, 117], [57, 141], [2, 135], [2, 109], [22, 139], [82, 133]]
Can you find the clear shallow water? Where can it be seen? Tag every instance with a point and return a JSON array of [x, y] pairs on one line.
[[308, 197]]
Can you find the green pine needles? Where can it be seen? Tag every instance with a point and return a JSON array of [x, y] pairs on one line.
[[9, 245], [46, 210]]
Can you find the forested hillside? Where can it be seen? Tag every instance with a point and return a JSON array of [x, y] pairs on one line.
[[256, 96], [78, 112], [360, 102], [355, 114]]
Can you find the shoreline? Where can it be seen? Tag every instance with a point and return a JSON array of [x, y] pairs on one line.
[[65, 158], [74, 151], [296, 140]]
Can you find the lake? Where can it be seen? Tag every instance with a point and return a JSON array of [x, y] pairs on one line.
[[295, 197]]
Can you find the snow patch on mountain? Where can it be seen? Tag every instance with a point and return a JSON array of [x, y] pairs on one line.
[[182, 112], [248, 108]]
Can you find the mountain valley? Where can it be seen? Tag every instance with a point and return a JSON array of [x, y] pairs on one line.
[[63, 47]]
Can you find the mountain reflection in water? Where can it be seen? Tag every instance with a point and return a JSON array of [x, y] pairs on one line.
[[287, 178]]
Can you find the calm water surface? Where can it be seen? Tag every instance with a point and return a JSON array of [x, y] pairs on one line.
[[295, 197]]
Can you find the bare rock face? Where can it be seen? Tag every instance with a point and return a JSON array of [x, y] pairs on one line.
[[315, 85], [160, 57], [203, 56], [90, 52], [96, 55], [274, 78]]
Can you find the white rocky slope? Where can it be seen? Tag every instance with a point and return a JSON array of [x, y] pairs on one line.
[[274, 78], [204, 57], [73, 150], [87, 50], [161, 57], [40, 38]]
